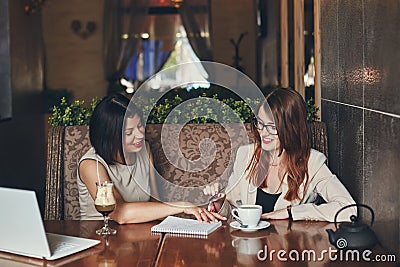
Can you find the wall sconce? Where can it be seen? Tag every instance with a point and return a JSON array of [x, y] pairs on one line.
[[31, 6], [76, 27]]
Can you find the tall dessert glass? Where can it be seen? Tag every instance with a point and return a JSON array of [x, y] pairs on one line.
[[105, 204]]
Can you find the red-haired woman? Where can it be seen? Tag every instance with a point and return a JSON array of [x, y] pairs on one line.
[[281, 172]]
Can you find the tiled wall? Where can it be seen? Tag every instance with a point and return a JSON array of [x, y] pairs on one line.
[[361, 104]]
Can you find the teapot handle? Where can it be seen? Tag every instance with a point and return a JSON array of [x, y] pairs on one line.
[[358, 205]]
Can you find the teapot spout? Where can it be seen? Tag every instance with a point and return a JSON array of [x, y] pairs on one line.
[[331, 235]]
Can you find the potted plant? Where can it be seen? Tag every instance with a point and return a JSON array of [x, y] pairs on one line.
[[76, 113]]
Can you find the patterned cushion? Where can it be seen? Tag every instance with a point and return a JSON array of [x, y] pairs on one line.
[[190, 156], [76, 144]]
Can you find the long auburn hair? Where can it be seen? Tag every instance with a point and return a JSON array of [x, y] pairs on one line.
[[290, 116]]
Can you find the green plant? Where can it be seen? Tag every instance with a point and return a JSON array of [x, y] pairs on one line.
[[312, 111], [200, 110], [75, 113]]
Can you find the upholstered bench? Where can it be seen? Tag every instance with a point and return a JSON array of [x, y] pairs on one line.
[[210, 142]]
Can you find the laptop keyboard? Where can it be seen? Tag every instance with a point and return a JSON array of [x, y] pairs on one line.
[[63, 245], [56, 247]]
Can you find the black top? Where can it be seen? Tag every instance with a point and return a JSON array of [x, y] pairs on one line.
[[266, 200]]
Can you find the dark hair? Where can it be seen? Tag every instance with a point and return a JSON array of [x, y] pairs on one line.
[[290, 115], [106, 126]]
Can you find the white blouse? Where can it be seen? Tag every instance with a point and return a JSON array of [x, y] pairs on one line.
[[131, 182]]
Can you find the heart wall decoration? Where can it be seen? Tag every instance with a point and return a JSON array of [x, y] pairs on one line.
[[83, 32]]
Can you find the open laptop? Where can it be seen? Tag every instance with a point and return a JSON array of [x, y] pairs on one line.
[[22, 231]]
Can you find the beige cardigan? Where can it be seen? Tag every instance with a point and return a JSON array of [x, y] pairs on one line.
[[321, 181]]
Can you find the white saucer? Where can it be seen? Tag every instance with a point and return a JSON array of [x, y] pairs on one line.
[[261, 225]]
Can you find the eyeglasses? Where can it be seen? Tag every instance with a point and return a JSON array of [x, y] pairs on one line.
[[271, 128]]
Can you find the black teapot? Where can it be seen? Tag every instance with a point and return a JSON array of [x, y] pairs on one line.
[[354, 234]]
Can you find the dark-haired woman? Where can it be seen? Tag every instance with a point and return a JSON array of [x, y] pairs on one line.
[[281, 172], [120, 154]]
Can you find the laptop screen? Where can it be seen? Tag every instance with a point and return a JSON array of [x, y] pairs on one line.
[[21, 227]]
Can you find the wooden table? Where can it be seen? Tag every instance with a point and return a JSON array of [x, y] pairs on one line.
[[230, 247], [135, 245]]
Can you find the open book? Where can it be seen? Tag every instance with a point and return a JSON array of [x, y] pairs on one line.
[[177, 225]]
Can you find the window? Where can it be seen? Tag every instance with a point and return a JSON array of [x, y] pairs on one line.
[[164, 44]]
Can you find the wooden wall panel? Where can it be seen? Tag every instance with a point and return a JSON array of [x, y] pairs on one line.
[[298, 10]]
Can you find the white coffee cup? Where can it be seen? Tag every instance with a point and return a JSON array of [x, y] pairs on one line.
[[248, 214]]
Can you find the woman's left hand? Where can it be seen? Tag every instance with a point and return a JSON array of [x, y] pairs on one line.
[[276, 215]]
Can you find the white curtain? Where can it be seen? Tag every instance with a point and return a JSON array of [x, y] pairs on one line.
[[182, 73]]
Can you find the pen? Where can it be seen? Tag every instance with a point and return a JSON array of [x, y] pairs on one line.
[[216, 194]]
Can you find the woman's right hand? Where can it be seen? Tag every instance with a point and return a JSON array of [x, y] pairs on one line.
[[217, 198], [203, 214]]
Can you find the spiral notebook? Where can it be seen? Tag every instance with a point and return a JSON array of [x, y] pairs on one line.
[[176, 225]]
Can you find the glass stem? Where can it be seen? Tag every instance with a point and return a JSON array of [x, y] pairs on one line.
[[105, 222]]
